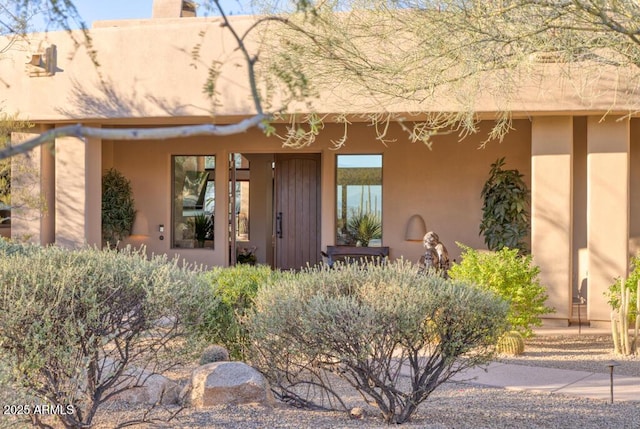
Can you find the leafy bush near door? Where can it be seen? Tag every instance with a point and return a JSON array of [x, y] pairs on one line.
[[118, 207], [510, 275], [505, 209]]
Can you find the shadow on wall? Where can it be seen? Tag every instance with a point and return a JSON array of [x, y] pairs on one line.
[[110, 102]]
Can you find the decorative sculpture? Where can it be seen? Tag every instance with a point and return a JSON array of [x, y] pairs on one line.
[[429, 261], [436, 256]]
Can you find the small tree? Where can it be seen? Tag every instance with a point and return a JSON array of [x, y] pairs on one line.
[[505, 211], [510, 275], [368, 324], [118, 207], [624, 299], [78, 327]]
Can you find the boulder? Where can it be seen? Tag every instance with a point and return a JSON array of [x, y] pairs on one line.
[[220, 383], [143, 386], [155, 388]]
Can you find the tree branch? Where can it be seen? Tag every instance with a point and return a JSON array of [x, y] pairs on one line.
[[80, 131]]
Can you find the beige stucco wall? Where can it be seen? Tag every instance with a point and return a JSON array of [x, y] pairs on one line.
[[416, 179], [147, 71]]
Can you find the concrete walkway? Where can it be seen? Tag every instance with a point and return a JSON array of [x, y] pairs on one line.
[[556, 381]]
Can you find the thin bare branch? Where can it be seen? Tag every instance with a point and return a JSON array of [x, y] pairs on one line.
[[82, 131]]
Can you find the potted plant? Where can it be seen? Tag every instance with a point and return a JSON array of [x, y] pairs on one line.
[[246, 255], [202, 226]]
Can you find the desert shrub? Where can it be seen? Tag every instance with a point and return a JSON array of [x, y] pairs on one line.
[[235, 288], [73, 322], [9, 247], [366, 324], [510, 275]]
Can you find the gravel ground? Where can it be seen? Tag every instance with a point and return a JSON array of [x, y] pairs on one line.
[[452, 405], [576, 352]]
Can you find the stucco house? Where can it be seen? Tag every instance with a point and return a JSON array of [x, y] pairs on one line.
[[583, 168]]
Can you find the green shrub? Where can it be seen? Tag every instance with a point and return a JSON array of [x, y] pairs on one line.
[[235, 288], [505, 209], [510, 275], [364, 324], [73, 322]]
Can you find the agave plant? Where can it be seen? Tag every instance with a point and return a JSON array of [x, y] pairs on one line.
[[363, 227], [203, 226]]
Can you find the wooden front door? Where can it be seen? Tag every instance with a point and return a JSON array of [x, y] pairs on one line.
[[297, 210]]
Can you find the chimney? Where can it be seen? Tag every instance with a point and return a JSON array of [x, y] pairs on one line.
[[173, 9]]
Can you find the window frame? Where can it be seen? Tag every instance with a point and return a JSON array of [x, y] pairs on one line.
[[173, 233], [336, 236]]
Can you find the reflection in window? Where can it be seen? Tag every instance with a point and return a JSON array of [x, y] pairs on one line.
[[193, 201], [359, 200], [241, 212]]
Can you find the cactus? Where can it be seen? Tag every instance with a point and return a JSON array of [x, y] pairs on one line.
[[214, 353], [510, 343]]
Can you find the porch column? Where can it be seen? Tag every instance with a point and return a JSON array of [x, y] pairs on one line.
[[78, 192], [608, 143], [551, 210], [328, 199], [221, 210], [93, 177]]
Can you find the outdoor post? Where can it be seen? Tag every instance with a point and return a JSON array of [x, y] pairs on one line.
[[611, 364]]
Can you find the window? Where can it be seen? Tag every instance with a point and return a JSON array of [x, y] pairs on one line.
[[359, 200], [5, 194], [193, 201], [242, 173], [5, 190]]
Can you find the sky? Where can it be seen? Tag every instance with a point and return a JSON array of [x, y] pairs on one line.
[[96, 10]]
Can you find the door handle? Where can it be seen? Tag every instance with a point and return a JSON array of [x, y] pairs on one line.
[[279, 225]]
